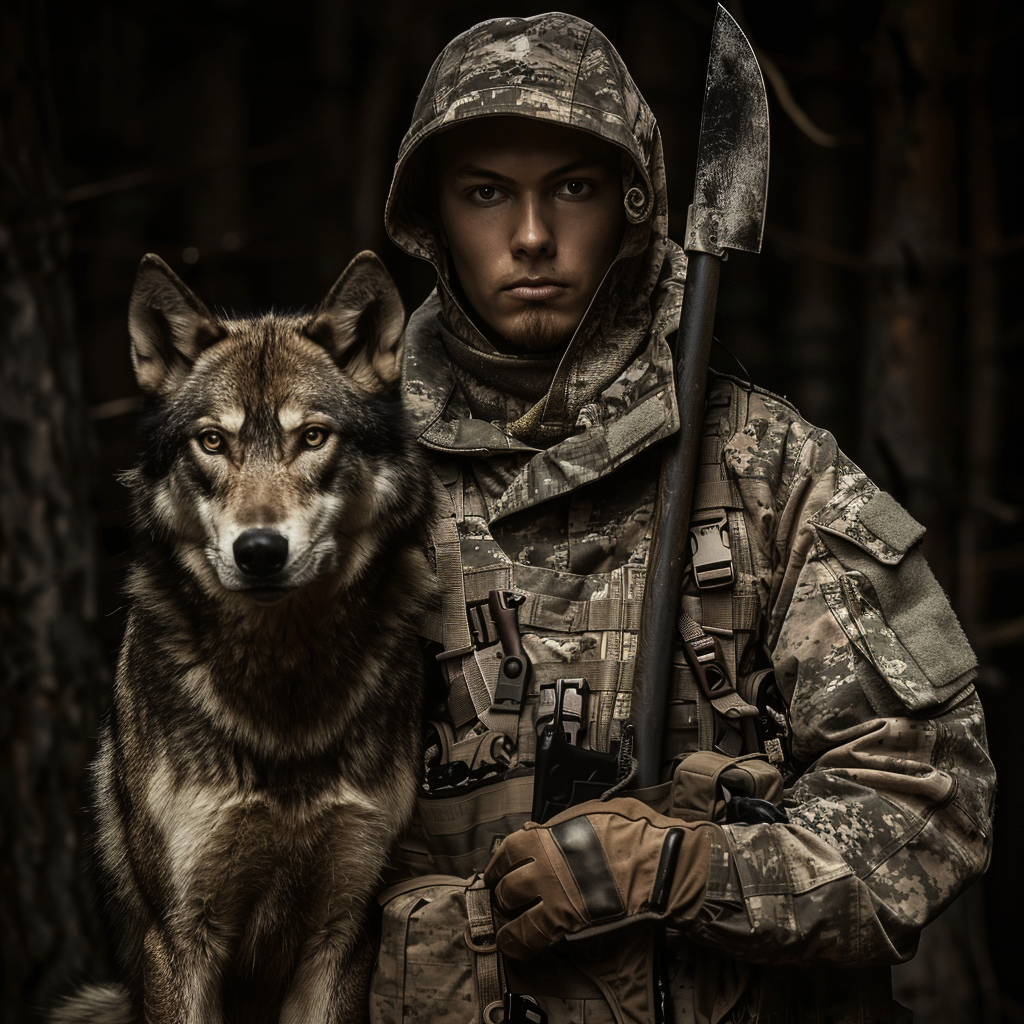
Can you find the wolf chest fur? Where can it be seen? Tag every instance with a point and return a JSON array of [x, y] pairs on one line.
[[260, 756]]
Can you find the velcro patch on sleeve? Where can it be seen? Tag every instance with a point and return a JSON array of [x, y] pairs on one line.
[[872, 520]]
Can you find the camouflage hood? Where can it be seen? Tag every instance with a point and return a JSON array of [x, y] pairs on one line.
[[466, 395]]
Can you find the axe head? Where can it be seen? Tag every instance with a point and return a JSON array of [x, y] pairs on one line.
[[732, 163]]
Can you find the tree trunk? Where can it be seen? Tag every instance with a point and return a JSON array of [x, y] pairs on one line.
[[52, 674], [914, 412], [911, 312]]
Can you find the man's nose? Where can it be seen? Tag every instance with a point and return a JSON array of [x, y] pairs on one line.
[[532, 234]]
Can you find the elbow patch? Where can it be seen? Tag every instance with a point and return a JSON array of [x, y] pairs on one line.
[[888, 602]]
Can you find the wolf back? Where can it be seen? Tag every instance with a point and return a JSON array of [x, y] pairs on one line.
[[260, 756]]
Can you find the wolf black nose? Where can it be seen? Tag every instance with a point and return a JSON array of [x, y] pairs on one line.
[[260, 552]]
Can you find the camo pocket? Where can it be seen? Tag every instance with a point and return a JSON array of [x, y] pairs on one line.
[[889, 603], [437, 960]]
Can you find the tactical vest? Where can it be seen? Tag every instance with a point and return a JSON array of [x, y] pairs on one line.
[[479, 781], [574, 627], [438, 961]]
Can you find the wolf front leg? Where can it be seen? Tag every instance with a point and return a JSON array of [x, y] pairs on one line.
[[332, 983], [179, 985]]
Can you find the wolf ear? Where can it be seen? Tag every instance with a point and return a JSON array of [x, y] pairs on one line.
[[361, 323], [168, 325]]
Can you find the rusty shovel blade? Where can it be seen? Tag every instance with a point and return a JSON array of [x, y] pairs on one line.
[[732, 162]]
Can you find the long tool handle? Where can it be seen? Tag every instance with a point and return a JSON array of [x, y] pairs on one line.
[[652, 678]]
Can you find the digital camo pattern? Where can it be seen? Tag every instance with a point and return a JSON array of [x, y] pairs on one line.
[[892, 815], [880, 838]]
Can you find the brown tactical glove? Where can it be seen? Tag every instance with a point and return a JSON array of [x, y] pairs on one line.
[[592, 867]]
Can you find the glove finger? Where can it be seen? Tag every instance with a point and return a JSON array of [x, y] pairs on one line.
[[524, 938], [515, 849], [519, 888]]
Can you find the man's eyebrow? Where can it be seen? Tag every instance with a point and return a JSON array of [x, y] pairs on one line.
[[475, 171], [585, 163], [472, 171]]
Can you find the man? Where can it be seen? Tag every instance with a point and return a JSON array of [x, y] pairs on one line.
[[539, 376]]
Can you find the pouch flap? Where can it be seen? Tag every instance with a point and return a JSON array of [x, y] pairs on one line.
[[872, 520], [919, 648], [424, 882], [696, 793]]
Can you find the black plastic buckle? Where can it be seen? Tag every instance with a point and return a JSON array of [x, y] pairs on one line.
[[706, 664], [712, 555], [564, 702]]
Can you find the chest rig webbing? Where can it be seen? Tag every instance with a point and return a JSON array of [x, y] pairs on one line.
[[575, 628]]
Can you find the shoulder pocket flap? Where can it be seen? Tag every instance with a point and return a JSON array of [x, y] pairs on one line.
[[872, 520], [925, 666]]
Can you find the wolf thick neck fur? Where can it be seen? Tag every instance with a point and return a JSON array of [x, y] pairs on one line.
[[273, 678]]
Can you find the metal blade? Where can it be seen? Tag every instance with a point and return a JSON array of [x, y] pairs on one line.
[[732, 162]]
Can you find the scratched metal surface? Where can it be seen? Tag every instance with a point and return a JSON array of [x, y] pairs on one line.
[[732, 163]]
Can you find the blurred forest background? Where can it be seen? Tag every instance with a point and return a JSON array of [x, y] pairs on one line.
[[250, 144]]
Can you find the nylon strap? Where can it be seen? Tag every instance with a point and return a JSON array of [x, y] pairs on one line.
[[480, 938], [455, 633], [731, 705], [469, 696]]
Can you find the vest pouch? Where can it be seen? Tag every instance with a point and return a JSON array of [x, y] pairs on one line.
[[437, 963], [698, 780], [607, 979], [456, 835]]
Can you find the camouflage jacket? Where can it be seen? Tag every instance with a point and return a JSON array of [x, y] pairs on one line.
[[890, 806]]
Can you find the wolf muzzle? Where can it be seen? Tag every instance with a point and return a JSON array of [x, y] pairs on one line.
[[260, 552]]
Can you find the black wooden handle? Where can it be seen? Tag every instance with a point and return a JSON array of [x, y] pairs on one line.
[[669, 548]]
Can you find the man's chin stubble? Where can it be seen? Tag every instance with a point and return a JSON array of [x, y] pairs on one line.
[[536, 329]]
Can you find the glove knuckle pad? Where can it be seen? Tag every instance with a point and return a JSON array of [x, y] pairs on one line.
[[581, 848]]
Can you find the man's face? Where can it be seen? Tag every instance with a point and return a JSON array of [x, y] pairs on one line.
[[532, 215]]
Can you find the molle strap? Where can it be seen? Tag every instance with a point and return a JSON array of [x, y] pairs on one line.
[[716, 493], [480, 937], [557, 613], [455, 626], [468, 695], [480, 582], [545, 613], [716, 500]]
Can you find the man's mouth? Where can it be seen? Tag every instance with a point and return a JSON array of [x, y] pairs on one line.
[[535, 289]]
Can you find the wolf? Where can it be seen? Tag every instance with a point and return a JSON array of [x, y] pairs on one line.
[[261, 752]]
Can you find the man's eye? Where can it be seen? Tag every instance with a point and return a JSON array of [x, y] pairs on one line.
[[575, 188], [485, 193], [212, 441], [314, 437]]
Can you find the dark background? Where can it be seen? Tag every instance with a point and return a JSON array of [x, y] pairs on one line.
[[250, 144]]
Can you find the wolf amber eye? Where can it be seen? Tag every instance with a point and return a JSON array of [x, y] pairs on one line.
[[212, 441], [314, 437]]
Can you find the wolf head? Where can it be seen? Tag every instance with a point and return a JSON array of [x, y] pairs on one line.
[[275, 449]]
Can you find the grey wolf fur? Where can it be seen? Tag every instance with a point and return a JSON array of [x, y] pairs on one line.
[[260, 756]]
